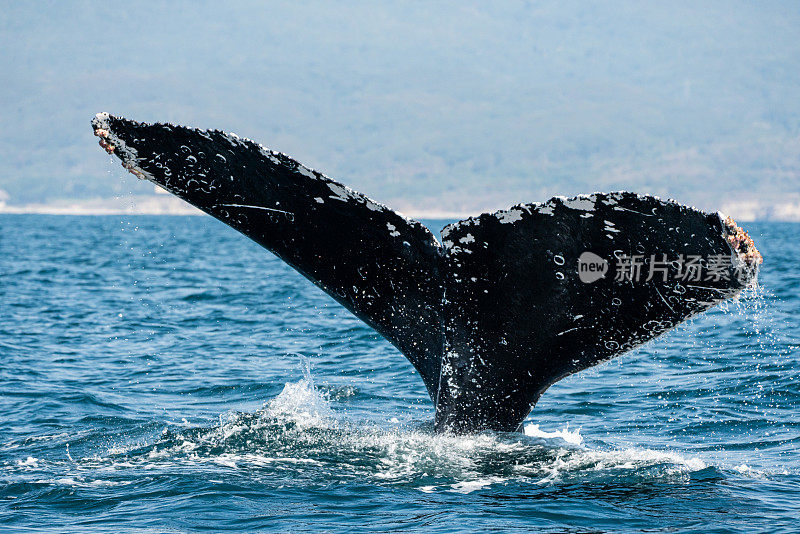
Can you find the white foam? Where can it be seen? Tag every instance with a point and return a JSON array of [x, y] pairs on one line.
[[81, 482], [29, 462], [301, 402], [569, 436], [474, 485], [299, 429]]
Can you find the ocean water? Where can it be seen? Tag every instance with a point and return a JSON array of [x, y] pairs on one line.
[[166, 374]]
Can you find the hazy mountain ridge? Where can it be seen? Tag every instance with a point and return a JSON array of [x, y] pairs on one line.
[[450, 107]]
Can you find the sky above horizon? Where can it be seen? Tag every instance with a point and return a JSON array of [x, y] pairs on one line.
[[455, 106]]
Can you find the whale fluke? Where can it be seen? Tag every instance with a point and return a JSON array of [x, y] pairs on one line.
[[508, 304]]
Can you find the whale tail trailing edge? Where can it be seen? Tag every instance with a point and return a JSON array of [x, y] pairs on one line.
[[509, 304]]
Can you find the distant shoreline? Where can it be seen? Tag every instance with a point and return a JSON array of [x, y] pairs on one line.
[[742, 211], [159, 205]]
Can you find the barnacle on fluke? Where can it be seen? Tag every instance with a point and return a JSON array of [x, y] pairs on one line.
[[742, 244], [496, 313]]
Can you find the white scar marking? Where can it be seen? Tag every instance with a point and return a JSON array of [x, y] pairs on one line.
[[620, 208], [288, 214], [662, 298], [706, 287], [510, 216], [580, 203]]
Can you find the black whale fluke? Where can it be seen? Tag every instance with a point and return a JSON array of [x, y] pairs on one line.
[[508, 304]]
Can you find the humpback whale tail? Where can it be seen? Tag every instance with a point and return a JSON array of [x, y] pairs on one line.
[[509, 302]]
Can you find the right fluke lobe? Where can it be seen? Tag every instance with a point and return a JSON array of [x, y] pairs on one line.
[[541, 291]]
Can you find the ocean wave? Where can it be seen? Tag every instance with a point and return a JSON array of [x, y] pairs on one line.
[[299, 436]]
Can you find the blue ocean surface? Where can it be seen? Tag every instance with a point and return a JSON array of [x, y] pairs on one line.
[[166, 374]]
